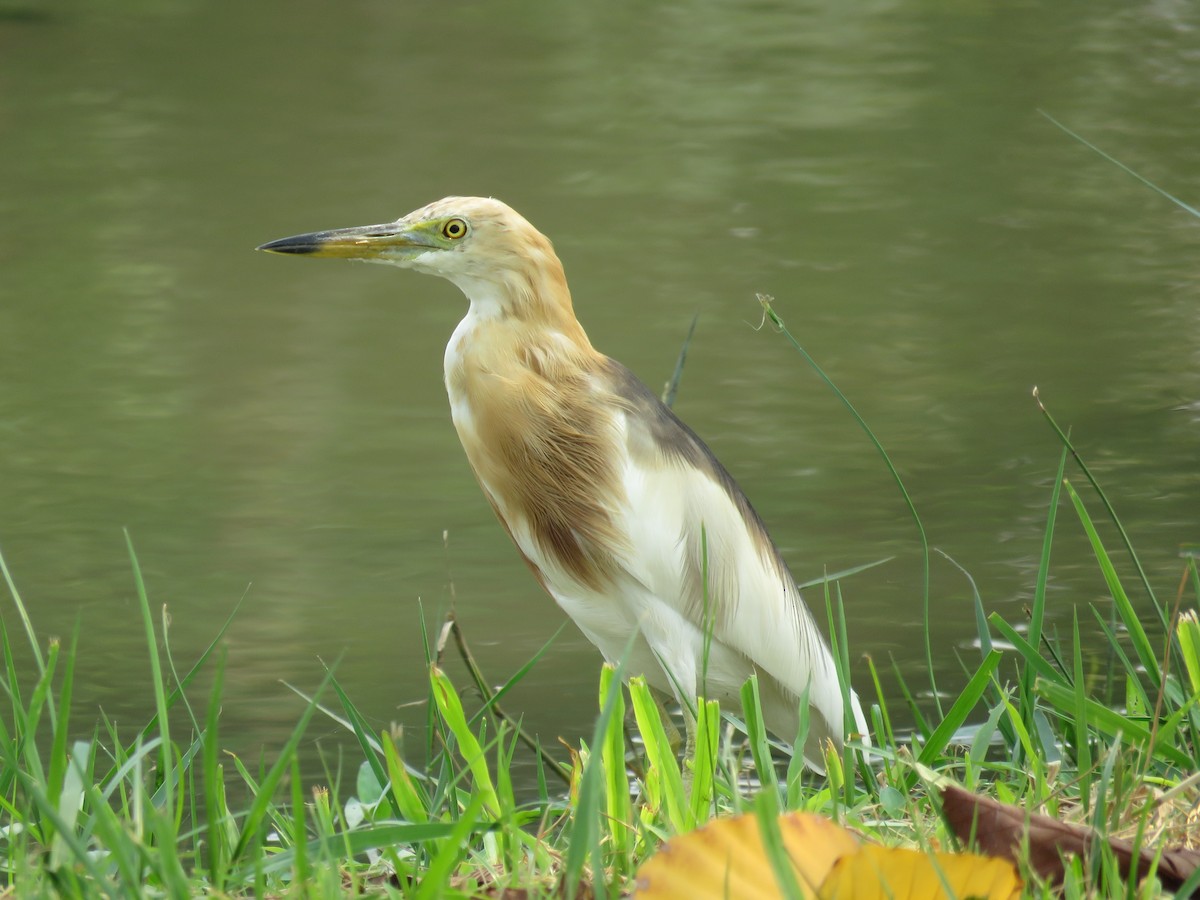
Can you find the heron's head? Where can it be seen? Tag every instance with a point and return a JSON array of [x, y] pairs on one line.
[[476, 242]]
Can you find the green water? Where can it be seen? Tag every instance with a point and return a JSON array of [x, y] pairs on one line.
[[278, 428]]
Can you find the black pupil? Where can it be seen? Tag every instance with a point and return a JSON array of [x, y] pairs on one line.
[[454, 229]]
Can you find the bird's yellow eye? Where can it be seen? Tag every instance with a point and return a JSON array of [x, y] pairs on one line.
[[454, 229]]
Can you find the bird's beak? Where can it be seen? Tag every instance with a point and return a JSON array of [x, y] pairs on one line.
[[394, 242]]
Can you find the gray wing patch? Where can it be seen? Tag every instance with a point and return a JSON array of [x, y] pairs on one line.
[[660, 438]]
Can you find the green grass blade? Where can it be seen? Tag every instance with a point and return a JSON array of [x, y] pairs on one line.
[[39, 700], [704, 761], [366, 741], [495, 696], [215, 812], [1033, 660], [1083, 749], [452, 849], [156, 675], [585, 831], [619, 808], [935, 746], [1124, 168], [58, 748], [756, 732], [842, 574], [672, 386], [1187, 632], [797, 769], [23, 615], [1038, 613], [770, 313], [1137, 634], [1115, 650], [406, 794], [888, 736], [1108, 507], [450, 708], [981, 629], [300, 865], [1111, 722], [766, 810], [266, 789], [659, 753]]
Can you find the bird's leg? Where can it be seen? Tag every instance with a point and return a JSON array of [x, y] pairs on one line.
[[689, 748], [661, 699], [688, 742]]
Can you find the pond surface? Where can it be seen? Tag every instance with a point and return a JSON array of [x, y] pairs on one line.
[[277, 428]]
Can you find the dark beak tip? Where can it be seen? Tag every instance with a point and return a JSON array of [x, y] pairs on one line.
[[287, 245]]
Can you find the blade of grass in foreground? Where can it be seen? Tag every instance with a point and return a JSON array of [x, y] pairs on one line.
[[619, 808], [266, 789], [24, 616], [215, 812], [1108, 507], [437, 876], [451, 710], [766, 810], [156, 675], [770, 313], [584, 839], [58, 750], [756, 734], [704, 760], [659, 753], [935, 746], [366, 742], [197, 666], [1137, 634], [1111, 722]]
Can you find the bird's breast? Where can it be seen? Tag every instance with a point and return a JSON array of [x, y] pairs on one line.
[[540, 434]]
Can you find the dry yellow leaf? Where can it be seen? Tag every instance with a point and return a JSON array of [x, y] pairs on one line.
[[898, 873], [725, 858]]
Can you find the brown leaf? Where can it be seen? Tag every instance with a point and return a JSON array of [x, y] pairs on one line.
[[1001, 829]]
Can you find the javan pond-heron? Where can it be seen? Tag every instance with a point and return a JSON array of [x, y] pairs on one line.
[[617, 507]]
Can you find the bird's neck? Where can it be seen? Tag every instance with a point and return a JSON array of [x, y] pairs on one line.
[[536, 298]]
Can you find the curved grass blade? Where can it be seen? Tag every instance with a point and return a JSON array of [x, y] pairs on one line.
[[450, 707], [770, 313], [584, 837], [266, 789], [672, 387], [935, 746], [1137, 634], [1120, 165], [1108, 507]]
